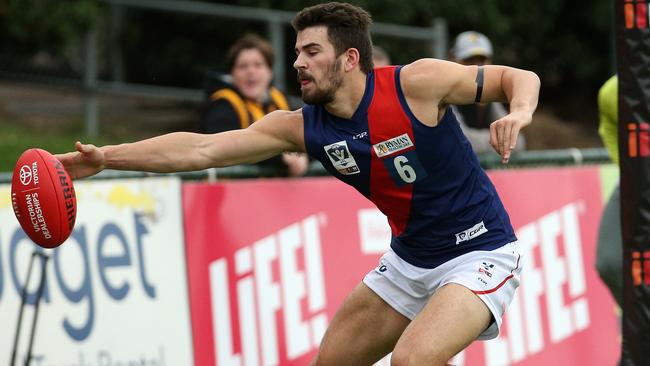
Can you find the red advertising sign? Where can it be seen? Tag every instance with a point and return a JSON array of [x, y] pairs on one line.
[[562, 309], [269, 263]]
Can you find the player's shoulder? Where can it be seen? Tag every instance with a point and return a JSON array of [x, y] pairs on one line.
[[281, 120], [426, 67], [285, 125], [421, 74], [294, 116]]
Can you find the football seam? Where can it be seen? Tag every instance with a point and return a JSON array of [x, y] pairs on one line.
[[58, 205]]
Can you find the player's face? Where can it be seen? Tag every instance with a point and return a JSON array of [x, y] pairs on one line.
[[319, 70], [251, 75]]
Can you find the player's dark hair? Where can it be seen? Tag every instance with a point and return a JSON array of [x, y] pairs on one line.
[[247, 42], [347, 27]]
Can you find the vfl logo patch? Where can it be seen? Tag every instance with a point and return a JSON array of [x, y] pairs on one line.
[[341, 158], [393, 145], [471, 233]]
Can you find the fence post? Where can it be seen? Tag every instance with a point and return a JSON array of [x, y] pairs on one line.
[[440, 37], [276, 32], [116, 25], [90, 84]]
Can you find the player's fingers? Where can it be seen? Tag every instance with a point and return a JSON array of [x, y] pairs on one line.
[[493, 137], [514, 135], [500, 134], [87, 149], [510, 141], [64, 158], [504, 140], [507, 128]]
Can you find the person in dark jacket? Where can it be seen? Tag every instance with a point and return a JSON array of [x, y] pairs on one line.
[[246, 95]]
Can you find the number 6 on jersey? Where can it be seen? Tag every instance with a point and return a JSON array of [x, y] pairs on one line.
[[405, 168]]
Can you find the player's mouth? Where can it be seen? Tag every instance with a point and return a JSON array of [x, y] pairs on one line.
[[304, 80], [304, 83]]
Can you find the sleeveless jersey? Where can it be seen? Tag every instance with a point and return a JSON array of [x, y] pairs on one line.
[[439, 202]]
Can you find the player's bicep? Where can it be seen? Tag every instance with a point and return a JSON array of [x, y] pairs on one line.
[[445, 82], [475, 84]]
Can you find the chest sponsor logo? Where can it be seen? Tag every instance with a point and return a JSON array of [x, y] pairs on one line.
[[393, 145], [471, 233], [341, 158]]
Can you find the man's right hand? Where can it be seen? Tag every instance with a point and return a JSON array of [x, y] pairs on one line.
[[86, 161]]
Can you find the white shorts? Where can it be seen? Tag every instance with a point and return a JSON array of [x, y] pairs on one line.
[[492, 275]]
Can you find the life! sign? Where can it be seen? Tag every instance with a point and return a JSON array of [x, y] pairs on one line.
[[270, 262], [561, 308]]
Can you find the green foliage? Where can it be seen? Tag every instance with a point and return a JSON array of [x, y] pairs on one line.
[[26, 25], [17, 137], [568, 43]]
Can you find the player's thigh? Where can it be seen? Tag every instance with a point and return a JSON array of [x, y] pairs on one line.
[[451, 320], [362, 331]]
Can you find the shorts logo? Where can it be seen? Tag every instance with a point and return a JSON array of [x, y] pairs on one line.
[[485, 268], [393, 145], [382, 267], [341, 158], [471, 233]]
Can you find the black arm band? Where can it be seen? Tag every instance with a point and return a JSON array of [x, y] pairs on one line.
[[479, 84]]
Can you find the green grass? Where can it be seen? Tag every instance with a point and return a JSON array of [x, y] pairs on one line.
[[16, 137]]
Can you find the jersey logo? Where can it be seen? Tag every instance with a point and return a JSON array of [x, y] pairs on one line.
[[471, 233], [393, 145], [341, 158], [360, 135]]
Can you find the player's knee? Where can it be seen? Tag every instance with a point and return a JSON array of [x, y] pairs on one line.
[[403, 356]]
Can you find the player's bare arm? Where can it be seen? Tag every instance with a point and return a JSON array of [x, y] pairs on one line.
[[277, 132], [431, 85]]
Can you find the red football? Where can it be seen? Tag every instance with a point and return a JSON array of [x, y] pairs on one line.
[[43, 198]]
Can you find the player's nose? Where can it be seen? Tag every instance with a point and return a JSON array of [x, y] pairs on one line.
[[299, 63]]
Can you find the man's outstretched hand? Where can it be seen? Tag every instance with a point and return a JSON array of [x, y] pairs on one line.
[[86, 161]]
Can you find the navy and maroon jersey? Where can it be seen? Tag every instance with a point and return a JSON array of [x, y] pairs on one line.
[[427, 180]]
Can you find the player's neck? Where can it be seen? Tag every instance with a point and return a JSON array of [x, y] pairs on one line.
[[348, 96]]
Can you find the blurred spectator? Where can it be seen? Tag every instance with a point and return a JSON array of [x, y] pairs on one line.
[[380, 57], [246, 95], [474, 48], [609, 255]]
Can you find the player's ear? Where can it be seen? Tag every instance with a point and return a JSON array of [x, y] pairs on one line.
[[352, 59]]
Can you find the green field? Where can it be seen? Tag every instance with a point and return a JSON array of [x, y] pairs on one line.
[[16, 137]]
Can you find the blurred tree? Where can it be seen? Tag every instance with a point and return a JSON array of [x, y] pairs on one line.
[[569, 44], [43, 30]]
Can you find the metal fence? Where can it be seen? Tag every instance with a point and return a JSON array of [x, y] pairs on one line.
[[535, 158], [90, 83]]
